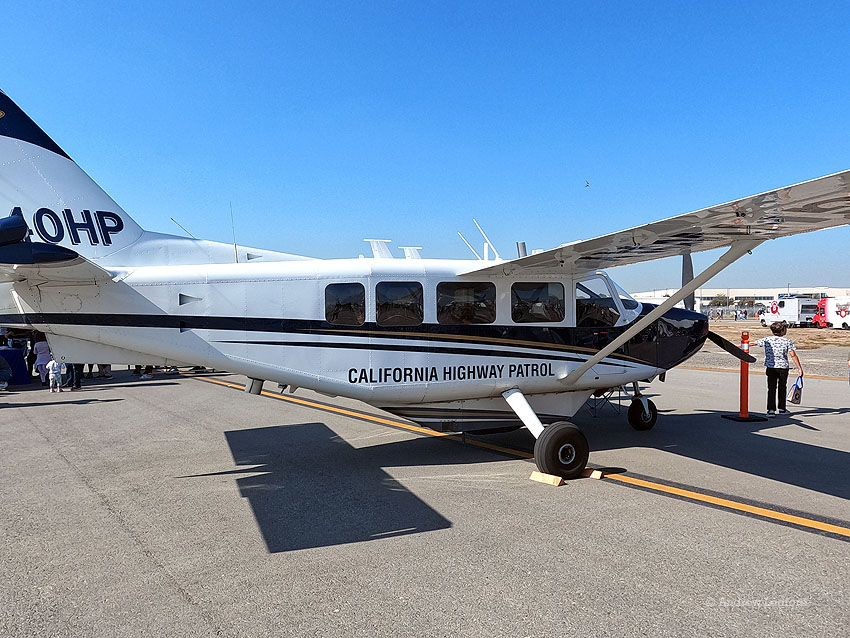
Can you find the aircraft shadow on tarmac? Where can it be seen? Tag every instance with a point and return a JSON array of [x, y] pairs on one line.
[[705, 436], [315, 490]]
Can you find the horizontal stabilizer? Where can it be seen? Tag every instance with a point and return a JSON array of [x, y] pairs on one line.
[[38, 263]]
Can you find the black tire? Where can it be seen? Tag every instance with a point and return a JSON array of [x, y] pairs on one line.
[[638, 419], [561, 450]]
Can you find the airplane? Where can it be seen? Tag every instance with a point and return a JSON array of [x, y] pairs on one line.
[[457, 345]]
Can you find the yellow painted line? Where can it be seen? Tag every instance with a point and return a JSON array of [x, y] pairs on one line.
[[373, 418], [622, 478], [332, 408], [757, 372], [733, 505]]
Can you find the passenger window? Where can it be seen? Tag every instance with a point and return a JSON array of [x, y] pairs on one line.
[[399, 303], [781, 304], [462, 302], [533, 302], [595, 308], [345, 304]]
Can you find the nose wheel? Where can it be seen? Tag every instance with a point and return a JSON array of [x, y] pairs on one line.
[[642, 414], [562, 450]]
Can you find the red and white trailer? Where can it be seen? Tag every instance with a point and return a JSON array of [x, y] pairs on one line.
[[833, 312]]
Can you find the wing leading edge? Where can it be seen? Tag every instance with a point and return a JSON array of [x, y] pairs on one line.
[[801, 208]]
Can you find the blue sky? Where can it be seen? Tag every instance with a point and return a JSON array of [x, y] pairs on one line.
[[324, 123]]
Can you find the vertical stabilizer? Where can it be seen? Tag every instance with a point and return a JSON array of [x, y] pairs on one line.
[[59, 201]]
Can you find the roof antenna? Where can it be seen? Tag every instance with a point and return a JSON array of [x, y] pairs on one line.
[[233, 227], [468, 245], [183, 229], [380, 250], [486, 239]]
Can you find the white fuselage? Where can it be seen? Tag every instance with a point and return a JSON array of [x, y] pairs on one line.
[[268, 321]]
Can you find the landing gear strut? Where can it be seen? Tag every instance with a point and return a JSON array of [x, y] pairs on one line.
[[642, 412]]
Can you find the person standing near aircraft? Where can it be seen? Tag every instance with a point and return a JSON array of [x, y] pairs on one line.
[[777, 350], [42, 356], [75, 375], [5, 373]]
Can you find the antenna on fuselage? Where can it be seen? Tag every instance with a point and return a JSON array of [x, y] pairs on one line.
[[411, 252], [233, 228], [183, 228], [468, 245], [487, 241], [380, 250]]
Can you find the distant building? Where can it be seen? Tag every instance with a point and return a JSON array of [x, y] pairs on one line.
[[761, 296]]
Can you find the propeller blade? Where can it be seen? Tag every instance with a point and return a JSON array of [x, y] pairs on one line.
[[730, 347], [687, 275]]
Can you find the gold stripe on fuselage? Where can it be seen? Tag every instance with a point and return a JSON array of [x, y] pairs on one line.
[[472, 338]]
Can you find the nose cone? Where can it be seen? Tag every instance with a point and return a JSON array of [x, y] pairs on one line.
[[680, 335]]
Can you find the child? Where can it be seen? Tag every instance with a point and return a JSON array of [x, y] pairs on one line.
[[777, 350], [54, 370]]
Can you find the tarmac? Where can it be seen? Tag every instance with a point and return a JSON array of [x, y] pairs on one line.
[[184, 507]]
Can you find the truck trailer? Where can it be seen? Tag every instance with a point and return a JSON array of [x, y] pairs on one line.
[[795, 311]]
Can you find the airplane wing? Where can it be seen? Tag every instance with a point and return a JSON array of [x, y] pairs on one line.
[[801, 208]]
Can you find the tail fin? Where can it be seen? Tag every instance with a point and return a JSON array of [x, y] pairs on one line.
[[59, 201]]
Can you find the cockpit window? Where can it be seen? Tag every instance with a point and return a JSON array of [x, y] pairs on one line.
[[399, 303], [595, 308], [626, 299], [345, 304], [537, 302], [466, 302]]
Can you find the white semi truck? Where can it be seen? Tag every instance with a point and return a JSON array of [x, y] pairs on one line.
[[795, 311]]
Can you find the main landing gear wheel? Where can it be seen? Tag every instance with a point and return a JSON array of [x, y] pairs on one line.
[[640, 419], [562, 450]]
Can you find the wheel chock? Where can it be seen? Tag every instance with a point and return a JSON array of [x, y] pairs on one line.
[[548, 479], [589, 472]]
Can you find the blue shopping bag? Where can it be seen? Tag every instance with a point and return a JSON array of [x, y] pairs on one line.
[[795, 394]]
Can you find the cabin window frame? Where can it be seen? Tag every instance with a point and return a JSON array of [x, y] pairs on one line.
[[492, 299], [540, 283], [364, 304], [377, 303]]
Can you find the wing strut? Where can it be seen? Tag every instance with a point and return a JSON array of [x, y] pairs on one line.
[[737, 250]]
